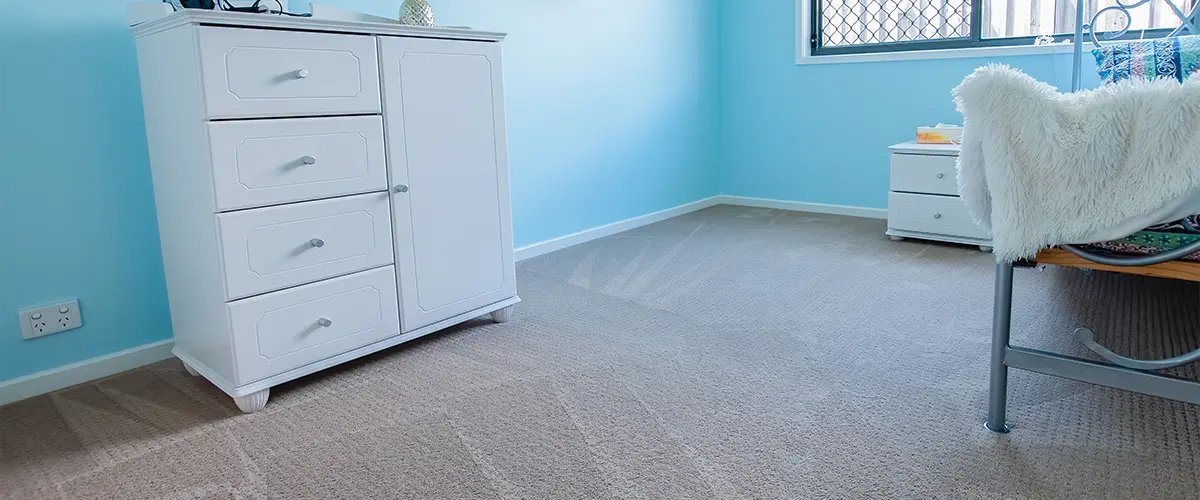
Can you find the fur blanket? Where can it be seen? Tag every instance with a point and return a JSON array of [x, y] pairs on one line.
[[1039, 168]]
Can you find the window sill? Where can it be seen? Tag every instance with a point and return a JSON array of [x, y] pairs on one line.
[[912, 55]]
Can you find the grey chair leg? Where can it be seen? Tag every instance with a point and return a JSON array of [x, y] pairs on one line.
[[1001, 328]]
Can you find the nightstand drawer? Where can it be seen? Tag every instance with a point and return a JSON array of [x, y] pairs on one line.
[[925, 174], [271, 248], [946, 215], [265, 73], [279, 331], [267, 162]]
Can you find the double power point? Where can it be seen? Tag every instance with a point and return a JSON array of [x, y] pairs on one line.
[[41, 321]]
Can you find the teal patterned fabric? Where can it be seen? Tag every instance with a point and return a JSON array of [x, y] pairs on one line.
[[1172, 57]]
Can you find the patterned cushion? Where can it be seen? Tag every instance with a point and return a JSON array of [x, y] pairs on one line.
[[1173, 57], [1157, 239]]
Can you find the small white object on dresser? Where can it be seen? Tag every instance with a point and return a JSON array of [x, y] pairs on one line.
[[325, 189], [924, 203]]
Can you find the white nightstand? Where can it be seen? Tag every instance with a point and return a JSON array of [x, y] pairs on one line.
[[924, 203]]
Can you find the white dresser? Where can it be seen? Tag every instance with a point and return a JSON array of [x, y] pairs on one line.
[[324, 189], [924, 203]]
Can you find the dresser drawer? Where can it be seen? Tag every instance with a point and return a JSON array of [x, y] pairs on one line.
[[270, 248], [267, 162], [945, 215], [280, 331], [263, 73], [925, 174]]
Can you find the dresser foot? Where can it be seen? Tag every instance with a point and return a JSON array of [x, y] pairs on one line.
[[191, 371], [896, 238], [253, 402], [985, 249], [502, 315]]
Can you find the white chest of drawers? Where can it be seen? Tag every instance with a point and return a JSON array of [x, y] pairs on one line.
[[923, 202], [325, 189]]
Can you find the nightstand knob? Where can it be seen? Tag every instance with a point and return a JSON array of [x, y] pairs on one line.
[[301, 73], [941, 176], [318, 242], [937, 216], [401, 188], [325, 322], [308, 160]]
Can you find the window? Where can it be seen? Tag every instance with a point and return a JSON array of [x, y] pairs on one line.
[[860, 26]]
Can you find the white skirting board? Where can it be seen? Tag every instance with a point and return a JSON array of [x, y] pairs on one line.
[[799, 206], [117, 362], [561, 242], [551, 245], [84, 371]]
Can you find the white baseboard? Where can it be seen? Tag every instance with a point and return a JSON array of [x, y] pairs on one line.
[[545, 247], [799, 206], [551, 245], [84, 371]]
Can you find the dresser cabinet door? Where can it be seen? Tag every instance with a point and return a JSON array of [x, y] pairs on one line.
[[444, 114]]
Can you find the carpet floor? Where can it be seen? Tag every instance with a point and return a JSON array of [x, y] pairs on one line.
[[729, 353]]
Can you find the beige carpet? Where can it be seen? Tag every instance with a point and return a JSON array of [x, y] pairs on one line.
[[730, 353]]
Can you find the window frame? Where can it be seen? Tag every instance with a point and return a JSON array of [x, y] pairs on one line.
[[809, 41]]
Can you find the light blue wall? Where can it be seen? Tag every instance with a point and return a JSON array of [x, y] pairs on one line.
[[76, 206], [612, 106], [617, 108], [612, 114], [819, 133]]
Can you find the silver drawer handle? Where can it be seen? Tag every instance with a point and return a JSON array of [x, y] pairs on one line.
[[318, 242], [324, 322], [940, 176], [937, 216], [301, 73], [401, 188], [308, 160]]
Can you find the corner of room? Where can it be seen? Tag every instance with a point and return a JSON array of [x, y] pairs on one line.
[[600, 249]]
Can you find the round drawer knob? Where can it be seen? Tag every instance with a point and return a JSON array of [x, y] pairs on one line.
[[937, 216], [324, 322], [318, 242], [301, 73], [401, 188], [941, 176], [308, 160]]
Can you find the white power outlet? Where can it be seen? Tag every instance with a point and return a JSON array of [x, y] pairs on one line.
[[41, 321]]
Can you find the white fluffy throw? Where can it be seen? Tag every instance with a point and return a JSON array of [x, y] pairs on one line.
[[1040, 168]]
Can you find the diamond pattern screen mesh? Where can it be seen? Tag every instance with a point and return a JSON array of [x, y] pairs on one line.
[[857, 22], [847, 23]]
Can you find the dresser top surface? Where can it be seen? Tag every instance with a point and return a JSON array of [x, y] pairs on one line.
[[268, 21], [913, 148]]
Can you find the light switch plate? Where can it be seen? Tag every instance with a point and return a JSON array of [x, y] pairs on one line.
[[41, 321]]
